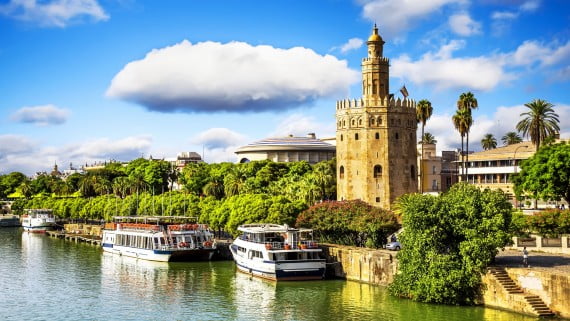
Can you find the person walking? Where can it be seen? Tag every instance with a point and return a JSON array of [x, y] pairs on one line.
[[525, 257]]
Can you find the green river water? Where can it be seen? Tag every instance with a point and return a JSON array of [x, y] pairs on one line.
[[43, 278]]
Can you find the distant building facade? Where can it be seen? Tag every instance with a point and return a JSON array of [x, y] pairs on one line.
[[376, 137], [287, 149], [438, 172]]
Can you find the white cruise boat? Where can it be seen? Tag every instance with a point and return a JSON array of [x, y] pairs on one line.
[[159, 238], [38, 220], [278, 252]]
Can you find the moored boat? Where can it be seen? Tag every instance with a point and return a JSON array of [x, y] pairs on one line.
[[159, 238], [38, 220], [278, 252], [9, 220]]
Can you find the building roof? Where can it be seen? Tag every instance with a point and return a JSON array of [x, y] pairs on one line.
[[522, 150], [287, 143]]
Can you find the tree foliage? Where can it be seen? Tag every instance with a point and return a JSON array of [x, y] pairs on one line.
[[546, 175], [349, 222], [540, 122], [448, 241]]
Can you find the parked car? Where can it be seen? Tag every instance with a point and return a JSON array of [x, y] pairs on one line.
[[393, 246]]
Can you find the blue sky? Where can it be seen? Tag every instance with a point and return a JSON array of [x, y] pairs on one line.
[[85, 80]]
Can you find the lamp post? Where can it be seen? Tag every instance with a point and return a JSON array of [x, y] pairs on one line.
[[515, 167]]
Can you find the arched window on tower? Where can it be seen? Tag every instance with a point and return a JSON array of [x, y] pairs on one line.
[[412, 172], [379, 120], [341, 172], [341, 138], [356, 136], [371, 121], [377, 171], [377, 135]]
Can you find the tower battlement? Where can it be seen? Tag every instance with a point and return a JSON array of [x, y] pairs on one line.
[[377, 59], [376, 102]]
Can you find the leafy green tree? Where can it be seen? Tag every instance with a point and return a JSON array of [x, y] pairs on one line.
[[10, 182], [424, 110], [467, 101], [511, 138], [540, 122], [489, 142], [448, 241], [546, 175], [194, 177], [349, 222]]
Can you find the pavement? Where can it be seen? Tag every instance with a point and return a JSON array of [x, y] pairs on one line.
[[558, 263]]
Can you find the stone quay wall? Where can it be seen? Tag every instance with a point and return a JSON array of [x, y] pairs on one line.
[[360, 264], [553, 288]]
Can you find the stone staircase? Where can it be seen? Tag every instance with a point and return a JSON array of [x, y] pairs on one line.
[[535, 302]]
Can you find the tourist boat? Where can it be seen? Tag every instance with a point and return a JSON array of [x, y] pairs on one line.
[[159, 238], [9, 220], [38, 220], [278, 252]]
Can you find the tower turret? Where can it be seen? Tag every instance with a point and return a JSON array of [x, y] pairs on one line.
[[375, 68]]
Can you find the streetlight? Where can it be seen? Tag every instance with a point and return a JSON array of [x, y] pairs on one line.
[[515, 167]]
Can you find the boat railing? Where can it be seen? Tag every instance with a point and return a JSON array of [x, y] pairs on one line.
[[187, 227], [138, 227], [305, 244]]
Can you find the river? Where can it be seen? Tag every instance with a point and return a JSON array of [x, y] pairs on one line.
[[43, 278]]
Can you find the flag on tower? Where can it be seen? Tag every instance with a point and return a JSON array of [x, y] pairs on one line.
[[404, 91]]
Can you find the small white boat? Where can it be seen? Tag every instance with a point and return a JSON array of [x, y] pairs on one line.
[[278, 252], [38, 220], [159, 238]]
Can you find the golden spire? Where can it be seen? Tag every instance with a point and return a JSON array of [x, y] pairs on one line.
[[375, 36]]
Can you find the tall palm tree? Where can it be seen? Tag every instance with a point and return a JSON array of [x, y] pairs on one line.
[[462, 122], [424, 110], [468, 102], [511, 138], [540, 122], [428, 138], [489, 142]]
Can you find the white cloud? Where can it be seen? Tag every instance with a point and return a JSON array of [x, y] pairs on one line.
[[531, 5], [502, 19], [463, 25], [41, 115], [351, 44], [396, 16], [504, 15], [235, 77], [58, 13], [18, 153], [219, 138], [443, 71], [300, 125]]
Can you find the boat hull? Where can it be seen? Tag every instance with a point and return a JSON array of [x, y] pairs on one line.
[[315, 273], [38, 228]]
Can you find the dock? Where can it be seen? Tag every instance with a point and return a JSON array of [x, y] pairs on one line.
[[94, 240]]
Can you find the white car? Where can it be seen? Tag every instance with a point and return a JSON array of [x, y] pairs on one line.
[[393, 246]]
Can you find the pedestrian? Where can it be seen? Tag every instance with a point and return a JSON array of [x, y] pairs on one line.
[[525, 257]]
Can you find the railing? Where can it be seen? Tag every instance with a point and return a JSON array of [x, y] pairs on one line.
[[305, 244], [552, 242]]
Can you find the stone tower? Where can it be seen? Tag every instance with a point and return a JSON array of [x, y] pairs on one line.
[[376, 137]]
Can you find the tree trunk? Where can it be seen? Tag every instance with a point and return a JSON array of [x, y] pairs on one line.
[[467, 156], [462, 163], [421, 162]]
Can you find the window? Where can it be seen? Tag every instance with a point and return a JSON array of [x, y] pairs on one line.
[[434, 185], [433, 169], [341, 172], [379, 120], [371, 121], [377, 199], [397, 136], [377, 171], [377, 136], [341, 137], [356, 136], [412, 172]]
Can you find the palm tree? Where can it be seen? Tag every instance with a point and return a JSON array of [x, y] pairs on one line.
[[462, 121], [428, 138], [424, 110], [489, 142], [468, 102], [540, 122], [511, 138]]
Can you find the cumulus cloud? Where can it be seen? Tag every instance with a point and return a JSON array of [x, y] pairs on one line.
[[463, 25], [300, 125], [234, 77], [219, 138], [397, 16], [41, 115], [351, 44], [443, 71], [502, 19], [19, 153], [55, 13]]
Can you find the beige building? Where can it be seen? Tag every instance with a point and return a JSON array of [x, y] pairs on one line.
[[493, 168], [376, 137], [287, 149], [438, 172]]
